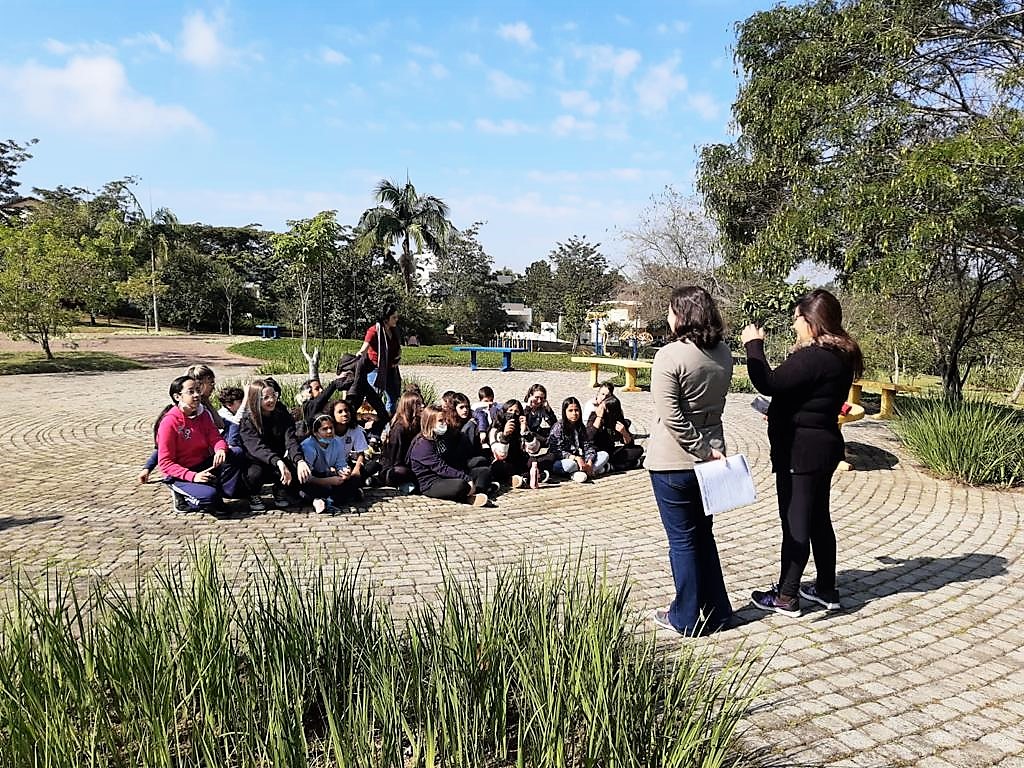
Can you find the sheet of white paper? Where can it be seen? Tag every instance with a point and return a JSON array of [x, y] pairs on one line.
[[725, 484]]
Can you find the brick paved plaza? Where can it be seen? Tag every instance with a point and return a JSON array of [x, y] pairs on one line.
[[924, 667]]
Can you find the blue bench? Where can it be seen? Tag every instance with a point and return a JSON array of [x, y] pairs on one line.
[[506, 355], [267, 331]]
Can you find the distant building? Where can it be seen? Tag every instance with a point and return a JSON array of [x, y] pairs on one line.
[[520, 316], [621, 313], [18, 209]]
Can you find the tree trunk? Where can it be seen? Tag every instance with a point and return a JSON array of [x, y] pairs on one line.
[[407, 265], [1018, 389], [44, 339], [92, 318], [231, 325], [152, 276]]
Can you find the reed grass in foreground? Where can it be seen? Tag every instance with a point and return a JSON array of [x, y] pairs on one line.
[[302, 666], [973, 441]]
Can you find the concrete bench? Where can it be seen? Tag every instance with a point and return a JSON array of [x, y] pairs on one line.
[[888, 390], [267, 331], [631, 367], [506, 355]]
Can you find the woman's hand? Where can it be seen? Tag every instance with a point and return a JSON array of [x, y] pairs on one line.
[[716, 454], [286, 474], [303, 471], [751, 332], [143, 476], [510, 428], [219, 457]]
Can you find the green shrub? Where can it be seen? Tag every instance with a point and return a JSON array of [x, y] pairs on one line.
[[971, 440], [998, 378], [741, 384], [301, 665]]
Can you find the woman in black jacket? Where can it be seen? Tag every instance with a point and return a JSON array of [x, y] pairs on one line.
[[807, 390], [267, 432]]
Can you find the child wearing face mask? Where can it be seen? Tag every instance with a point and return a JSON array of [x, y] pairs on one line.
[[437, 478], [332, 483]]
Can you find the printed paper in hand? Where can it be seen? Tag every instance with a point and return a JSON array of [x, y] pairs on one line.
[[725, 484]]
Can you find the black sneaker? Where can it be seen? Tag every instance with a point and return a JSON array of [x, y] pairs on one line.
[[178, 501], [281, 498], [773, 601], [828, 599], [256, 504]]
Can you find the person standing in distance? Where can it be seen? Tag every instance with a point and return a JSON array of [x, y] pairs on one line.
[[383, 349], [689, 382], [807, 390]]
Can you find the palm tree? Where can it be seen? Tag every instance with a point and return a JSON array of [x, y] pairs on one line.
[[408, 218]]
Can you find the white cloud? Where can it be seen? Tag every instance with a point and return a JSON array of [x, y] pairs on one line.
[[519, 33], [202, 43], [91, 93], [439, 70], [620, 62], [677, 27], [658, 85], [148, 40], [59, 48], [502, 127], [332, 56], [570, 125], [506, 87], [470, 59], [422, 50], [625, 21], [579, 101], [704, 105]]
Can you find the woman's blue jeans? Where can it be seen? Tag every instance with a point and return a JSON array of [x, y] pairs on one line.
[[693, 554]]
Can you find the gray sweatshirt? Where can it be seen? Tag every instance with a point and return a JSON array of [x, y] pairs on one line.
[[688, 385]]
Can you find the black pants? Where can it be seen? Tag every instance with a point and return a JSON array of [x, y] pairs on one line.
[[625, 456], [449, 488], [258, 473], [806, 525]]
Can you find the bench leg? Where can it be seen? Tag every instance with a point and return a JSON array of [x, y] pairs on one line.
[[888, 401], [593, 374], [506, 361], [854, 397], [472, 360], [631, 381]]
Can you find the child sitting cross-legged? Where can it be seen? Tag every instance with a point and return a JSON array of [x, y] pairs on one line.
[[575, 454], [332, 482]]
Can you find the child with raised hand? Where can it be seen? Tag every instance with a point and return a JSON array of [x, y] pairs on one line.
[[332, 482], [608, 429], [511, 441], [436, 477], [575, 455]]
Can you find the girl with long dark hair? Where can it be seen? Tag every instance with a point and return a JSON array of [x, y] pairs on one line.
[[808, 390], [575, 454], [383, 348]]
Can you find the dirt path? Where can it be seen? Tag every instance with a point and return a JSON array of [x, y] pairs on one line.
[[165, 351]]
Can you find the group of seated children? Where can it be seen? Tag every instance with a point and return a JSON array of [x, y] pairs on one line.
[[321, 454]]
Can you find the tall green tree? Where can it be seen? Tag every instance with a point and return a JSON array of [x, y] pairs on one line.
[[581, 280], [39, 267], [412, 220], [537, 289], [305, 249], [12, 155], [464, 285], [884, 139]]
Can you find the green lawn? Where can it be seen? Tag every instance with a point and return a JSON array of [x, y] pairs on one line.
[[284, 356], [65, 362]]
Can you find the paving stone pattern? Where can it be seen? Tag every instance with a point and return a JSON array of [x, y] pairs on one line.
[[923, 667]]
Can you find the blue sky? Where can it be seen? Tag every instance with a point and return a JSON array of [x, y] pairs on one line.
[[545, 120]]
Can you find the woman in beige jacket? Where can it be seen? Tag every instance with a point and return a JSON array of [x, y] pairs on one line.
[[689, 381]]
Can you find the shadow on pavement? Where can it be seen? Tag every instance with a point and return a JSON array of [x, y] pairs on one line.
[[14, 522], [866, 458], [858, 587]]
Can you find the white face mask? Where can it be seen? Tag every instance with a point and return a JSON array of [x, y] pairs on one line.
[[440, 428]]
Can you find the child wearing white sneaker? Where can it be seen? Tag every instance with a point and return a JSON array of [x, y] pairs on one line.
[[575, 455], [332, 482]]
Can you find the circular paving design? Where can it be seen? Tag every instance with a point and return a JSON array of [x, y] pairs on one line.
[[923, 667]]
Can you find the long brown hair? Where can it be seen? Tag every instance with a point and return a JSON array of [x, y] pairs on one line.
[[824, 316], [428, 420], [697, 317], [405, 414], [252, 402]]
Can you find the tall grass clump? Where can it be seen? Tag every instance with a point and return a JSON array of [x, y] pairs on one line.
[[970, 440], [301, 665]]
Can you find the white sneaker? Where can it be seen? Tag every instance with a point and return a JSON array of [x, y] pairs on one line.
[[479, 500], [579, 477], [518, 481], [319, 506]]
